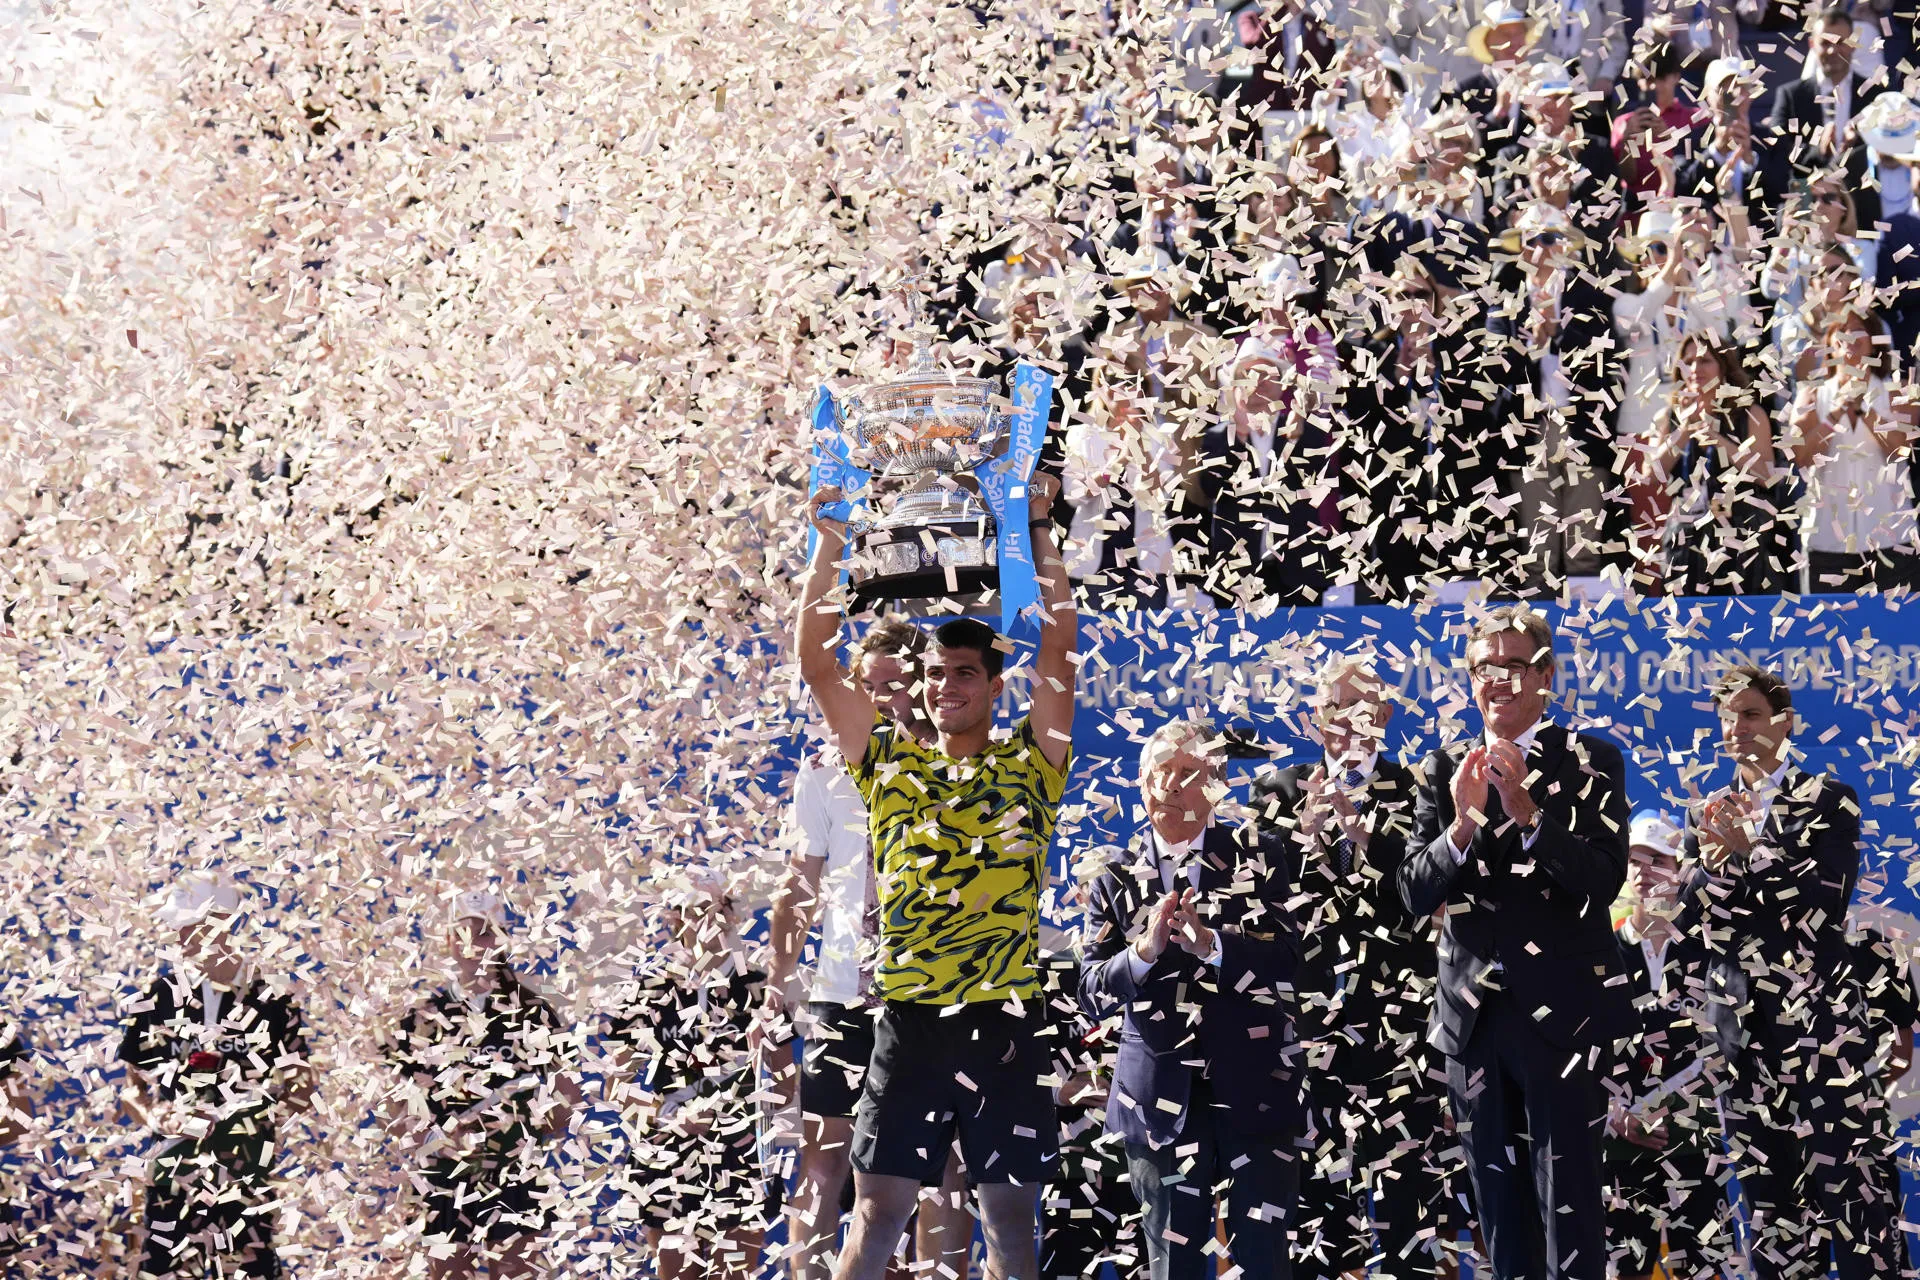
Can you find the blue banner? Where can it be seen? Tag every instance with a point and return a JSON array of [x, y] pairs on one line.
[[832, 465], [1638, 673], [1003, 486]]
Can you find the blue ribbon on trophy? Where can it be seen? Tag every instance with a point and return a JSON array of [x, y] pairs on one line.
[[832, 466], [1003, 486]]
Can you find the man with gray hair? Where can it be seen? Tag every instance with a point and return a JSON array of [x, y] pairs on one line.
[[1191, 941]]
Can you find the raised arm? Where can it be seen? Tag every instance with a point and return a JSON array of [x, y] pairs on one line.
[[845, 704], [1056, 672]]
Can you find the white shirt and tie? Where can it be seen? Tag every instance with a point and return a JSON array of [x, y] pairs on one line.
[[1175, 861], [1526, 742]]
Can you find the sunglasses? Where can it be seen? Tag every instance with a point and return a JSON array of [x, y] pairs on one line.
[[1829, 197], [1656, 248], [1546, 240]]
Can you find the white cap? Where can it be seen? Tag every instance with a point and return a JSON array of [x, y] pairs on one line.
[[1655, 829], [478, 904], [197, 895]]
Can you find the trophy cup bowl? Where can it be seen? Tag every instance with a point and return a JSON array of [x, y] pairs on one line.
[[922, 435]]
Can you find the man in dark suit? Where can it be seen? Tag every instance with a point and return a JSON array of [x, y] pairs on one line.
[[1812, 117], [1191, 941], [1774, 858], [1522, 837], [1662, 1132], [1732, 168], [1363, 992]]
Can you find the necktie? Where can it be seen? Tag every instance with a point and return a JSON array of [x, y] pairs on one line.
[[1350, 782]]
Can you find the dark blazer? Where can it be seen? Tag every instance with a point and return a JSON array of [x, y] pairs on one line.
[[1589, 358], [1393, 476], [1777, 926], [1367, 964], [1233, 1021], [1598, 199], [1542, 913], [1670, 1038], [1896, 277], [1796, 115]]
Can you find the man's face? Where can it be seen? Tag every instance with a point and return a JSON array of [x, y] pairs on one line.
[[1351, 717], [1554, 111], [1833, 45], [701, 925], [1183, 786], [210, 945], [1752, 732], [1659, 875], [960, 693], [1506, 42], [473, 941], [891, 683], [1509, 689]]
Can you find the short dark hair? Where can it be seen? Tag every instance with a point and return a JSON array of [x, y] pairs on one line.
[[893, 637], [1516, 617], [1657, 59], [1762, 681], [971, 633], [1828, 14]]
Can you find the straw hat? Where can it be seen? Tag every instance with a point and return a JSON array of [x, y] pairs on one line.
[[1500, 13]]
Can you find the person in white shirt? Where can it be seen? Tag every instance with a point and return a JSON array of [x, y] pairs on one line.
[[1858, 525], [830, 879]]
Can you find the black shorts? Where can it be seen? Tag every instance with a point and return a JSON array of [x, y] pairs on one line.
[[486, 1200], [976, 1070], [836, 1059]]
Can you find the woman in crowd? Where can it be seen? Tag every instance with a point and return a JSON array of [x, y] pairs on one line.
[[1677, 283], [1852, 445], [1818, 257], [488, 1065], [1726, 529], [704, 1202]]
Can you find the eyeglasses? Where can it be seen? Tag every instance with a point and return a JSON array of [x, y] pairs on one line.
[[1488, 672]]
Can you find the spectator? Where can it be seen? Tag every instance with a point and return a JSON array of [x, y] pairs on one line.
[[1277, 62], [1726, 528], [1191, 943], [1890, 128], [1814, 117], [967, 821], [1858, 527], [1771, 863], [1815, 269], [1552, 362], [218, 1059], [1266, 463], [1522, 836], [1588, 37], [1666, 1209], [832, 877], [487, 1067], [1703, 29], [1362, 990], [1376, 127], [1563, 157], [1678, 284], [1731, 170], [687, 1018], [1505, 37], [1653, 139]]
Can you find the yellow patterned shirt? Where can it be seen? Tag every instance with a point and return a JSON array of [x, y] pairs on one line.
[[961, 851]]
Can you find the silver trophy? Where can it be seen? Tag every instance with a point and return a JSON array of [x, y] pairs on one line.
[[922, 436]]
